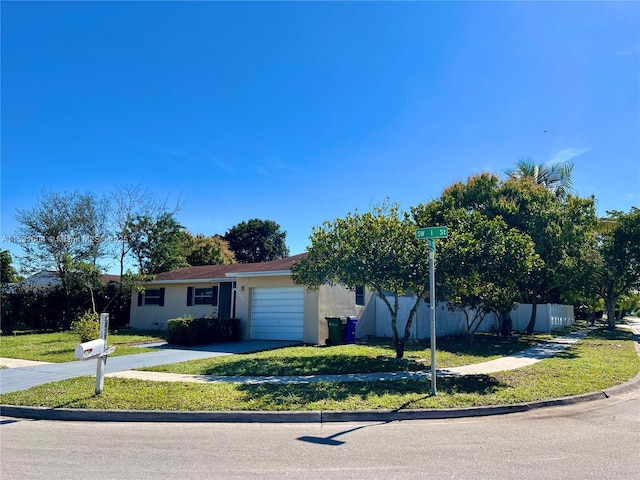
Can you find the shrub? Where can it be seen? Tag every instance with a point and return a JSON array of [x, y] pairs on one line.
[[87, 326], [178, 330], [198, 331]]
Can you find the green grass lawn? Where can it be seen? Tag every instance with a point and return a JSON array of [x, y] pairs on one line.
[[59, 347], [375, 356], [601, 360]]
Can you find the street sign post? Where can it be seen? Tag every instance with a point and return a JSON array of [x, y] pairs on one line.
[[430, 234], [432, 305]]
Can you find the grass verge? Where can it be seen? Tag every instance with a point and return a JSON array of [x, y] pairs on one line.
[[601, 360], [59, 347]]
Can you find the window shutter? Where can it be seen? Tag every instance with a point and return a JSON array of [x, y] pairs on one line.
[[161, 297], [139, 299], [189, 296]]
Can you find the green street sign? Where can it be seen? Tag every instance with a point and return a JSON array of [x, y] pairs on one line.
[[431, 244], [432, 232]]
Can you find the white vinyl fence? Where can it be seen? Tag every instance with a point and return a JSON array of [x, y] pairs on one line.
[[548, 317]]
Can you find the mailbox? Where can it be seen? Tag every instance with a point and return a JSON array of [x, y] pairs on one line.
[[91, 349]]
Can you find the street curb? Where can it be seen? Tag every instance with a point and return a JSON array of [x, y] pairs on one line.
[[86, 415]]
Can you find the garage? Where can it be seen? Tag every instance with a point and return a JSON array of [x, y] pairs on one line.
[[277, 313]]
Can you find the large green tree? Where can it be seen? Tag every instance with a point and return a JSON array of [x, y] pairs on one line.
[[159, 244], [377, 249], [617, 260], [558, 227], [481, 265], [561, 227], [257, 241]]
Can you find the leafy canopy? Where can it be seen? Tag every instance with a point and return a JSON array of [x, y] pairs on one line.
[[212, 250], [257, 241], [558, 227], [158, 243], [61, 224], [377, 249], [617, 258], [8, 273], [484, 260]]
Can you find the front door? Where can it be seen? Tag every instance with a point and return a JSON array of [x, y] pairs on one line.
[[224, 305]]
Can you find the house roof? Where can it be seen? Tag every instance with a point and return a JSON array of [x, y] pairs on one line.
[[219, 272]]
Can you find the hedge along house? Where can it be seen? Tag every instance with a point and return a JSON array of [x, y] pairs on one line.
[[261, 295]]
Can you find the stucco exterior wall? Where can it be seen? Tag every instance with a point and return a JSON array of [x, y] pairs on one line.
[[367, 316], [339, 301], [154, 317]]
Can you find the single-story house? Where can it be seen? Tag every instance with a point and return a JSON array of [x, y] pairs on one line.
[[262, 296]]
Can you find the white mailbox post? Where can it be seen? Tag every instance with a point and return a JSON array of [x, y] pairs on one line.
[[97, 349]]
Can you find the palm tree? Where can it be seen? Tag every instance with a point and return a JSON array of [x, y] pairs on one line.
[[556, 177]]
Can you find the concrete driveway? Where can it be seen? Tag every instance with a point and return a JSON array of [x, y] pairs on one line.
[[22, 378]]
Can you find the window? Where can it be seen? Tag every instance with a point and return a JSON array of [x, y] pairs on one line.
[[202, 296], [360, 295], [151, 296]]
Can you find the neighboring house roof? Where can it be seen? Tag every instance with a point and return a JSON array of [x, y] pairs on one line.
[[43, 278], [108, 278], [47, 278], [220, 272]]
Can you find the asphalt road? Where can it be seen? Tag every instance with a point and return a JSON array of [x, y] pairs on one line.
[[594, 440]]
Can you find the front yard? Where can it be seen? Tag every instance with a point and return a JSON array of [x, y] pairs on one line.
[[603, 359]]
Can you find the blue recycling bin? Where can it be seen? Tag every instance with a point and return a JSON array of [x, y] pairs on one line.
[[350, 330]]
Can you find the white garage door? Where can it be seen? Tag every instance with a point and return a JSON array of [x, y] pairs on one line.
[[277, 313]]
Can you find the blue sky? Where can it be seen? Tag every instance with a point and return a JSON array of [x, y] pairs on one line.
[[303, 112]]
